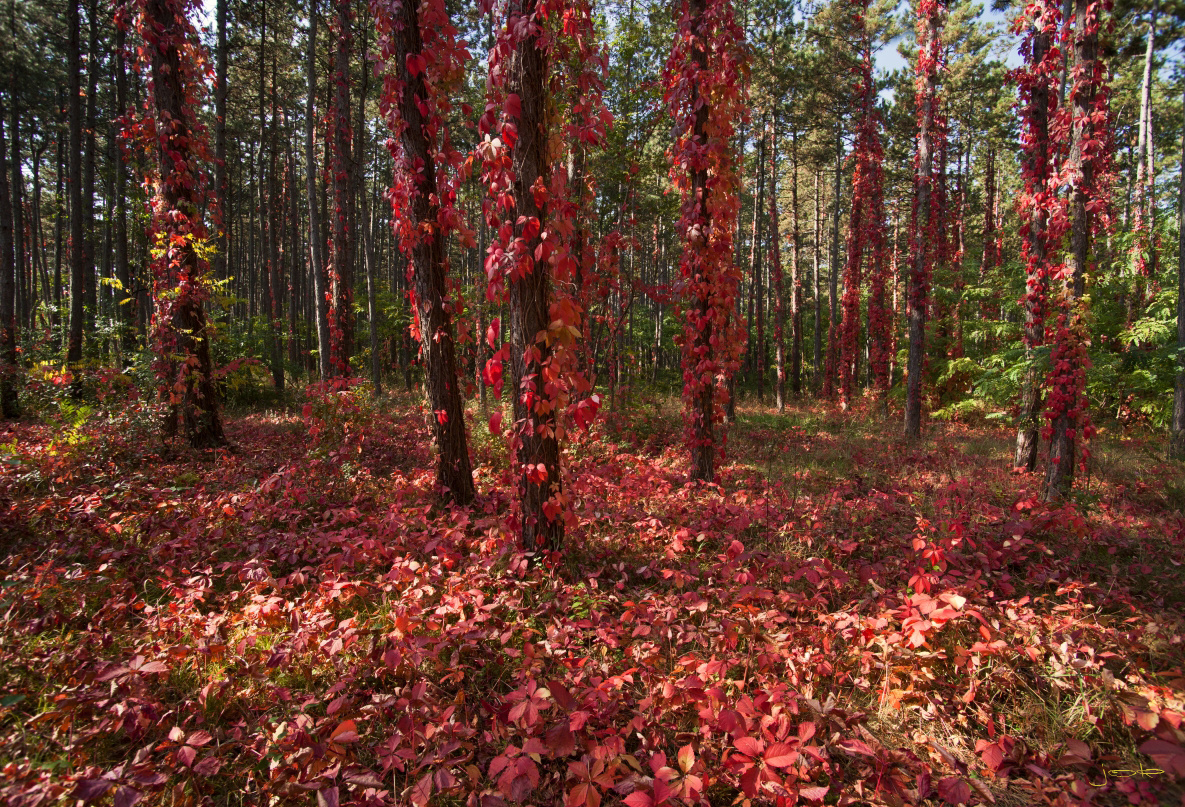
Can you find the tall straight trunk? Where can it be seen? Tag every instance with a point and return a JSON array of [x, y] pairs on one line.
[[1063, 440], [190, 383], [365, 222], [60, 211], [1145, 159], [429, 260], [923, 232], [79, 252], [703, 444], [8, 319], [126, 309], [775, 265], [275, 226], [266, 186], [755, 284], [795, 274], [90, 285], [24, 304], [39, 240], [341, 270], [817, 354], [990, 257], [530, 295], [316, 257], [221, 186], [294, 252], [1177, 438], [1039, 159], [894, 312], [833, 323]]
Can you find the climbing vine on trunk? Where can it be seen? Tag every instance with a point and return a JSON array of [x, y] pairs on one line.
[[704, 77], [530, 263], [174, 63]]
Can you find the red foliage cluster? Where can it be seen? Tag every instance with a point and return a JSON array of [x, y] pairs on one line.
[[704, 78], [1081, 124], [276, 625], [866, 233], [173, 64], [441, 66], [1041, 209], [524, 243]]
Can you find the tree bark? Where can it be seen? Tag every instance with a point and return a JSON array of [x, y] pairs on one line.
[[922, 232], [428, 256], [833, 321], [775, 263], [817, 354], [703, 445], [316, 256], [1177, 438], [125, 303], [90, 280], [221, 187], [178, 295], [79, 251], [530, 294], [795, 275], [1039, 159], [341, 268], [8, 320], [1059, 479]]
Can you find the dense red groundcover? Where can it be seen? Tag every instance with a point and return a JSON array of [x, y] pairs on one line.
[[845, 619]]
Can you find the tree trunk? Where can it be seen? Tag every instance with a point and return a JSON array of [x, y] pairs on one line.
[[833, 321], [316, 257], [530, 293], [125, 303], [703, 444], [1177, 439], [188, 384], [341, 268], [90, 281], [923, 231], [79, 253], [756, 285], [1068, 355], [817, 354], [9, 369], [775, 263], [427, 252], [795, 275], [221, 188], [1038, 159]]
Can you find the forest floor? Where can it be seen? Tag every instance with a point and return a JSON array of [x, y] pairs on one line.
[[845, 618]]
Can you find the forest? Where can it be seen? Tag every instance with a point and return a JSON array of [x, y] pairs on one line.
[[581, 402]]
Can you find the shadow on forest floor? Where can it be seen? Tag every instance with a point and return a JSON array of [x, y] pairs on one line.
[[844, 617]]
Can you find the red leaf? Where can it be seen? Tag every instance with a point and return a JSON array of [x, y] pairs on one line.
[[514, 106], [346, 732], [199, 738], [639, 799], [1169, 756], [127, 797], [813, 793], [954, 790], [496, 423], [422, 791], [780, 755], [749, 746], [327, 797], [90, 789]]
